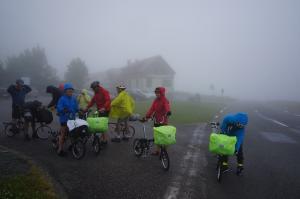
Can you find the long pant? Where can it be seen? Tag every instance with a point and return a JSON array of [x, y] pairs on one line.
[[239, 156]]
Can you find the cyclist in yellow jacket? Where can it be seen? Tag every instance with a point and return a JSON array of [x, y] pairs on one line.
[[122, 108], [83, 99]]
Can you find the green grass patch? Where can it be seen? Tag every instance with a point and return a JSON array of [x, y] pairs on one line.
[[32, 185], [185, 112]]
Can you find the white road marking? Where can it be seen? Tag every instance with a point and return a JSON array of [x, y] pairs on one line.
[[192, 166], [278, 137], [297, 115], [271, 120]]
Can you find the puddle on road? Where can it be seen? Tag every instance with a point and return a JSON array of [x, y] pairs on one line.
[[278, 137]]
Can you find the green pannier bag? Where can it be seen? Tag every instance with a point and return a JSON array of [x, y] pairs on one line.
[[164, 135], [97, 124], [222, 144]]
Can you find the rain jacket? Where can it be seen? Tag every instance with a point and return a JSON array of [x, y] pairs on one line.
[[56, 94], [69, 103], [159, 108], [83, 99], [239, 133], [122, 106], [18, 96], [101, 99]]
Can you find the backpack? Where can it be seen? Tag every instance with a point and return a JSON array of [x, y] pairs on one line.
[[44, 115]]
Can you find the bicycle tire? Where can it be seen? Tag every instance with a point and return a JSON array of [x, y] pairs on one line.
[[131, 132], [96, 145], [78, 149], [164, 158], [43, 132], [9, 130], [137, 148]]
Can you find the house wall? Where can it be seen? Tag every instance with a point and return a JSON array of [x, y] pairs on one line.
[[149, 83]]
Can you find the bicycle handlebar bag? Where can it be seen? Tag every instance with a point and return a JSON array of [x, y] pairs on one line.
[[222, 144], [97, 124], [164, 135], [44, 115]]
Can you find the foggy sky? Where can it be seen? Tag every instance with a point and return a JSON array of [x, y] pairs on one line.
[[249, 48]]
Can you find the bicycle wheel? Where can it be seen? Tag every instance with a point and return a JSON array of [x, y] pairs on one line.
[[130, 133], [164, 157], [10, 130], [219, 169], [43, 132], [78, 149], [137, 147], [96, 145]]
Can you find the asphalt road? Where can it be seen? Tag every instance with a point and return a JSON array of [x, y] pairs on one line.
[[271, 150]]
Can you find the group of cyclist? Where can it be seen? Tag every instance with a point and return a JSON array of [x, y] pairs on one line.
[[120, 108], [67, 106]]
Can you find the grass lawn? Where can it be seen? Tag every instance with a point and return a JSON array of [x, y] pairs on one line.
[[185, 112], [28, 186]]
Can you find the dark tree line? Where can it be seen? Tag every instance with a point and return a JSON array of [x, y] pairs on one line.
[[33, 63]]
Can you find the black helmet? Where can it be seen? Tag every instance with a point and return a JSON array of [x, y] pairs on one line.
[[95, 84]]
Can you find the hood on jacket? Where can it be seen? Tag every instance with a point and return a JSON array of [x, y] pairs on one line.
[[241, 118], [161, 90], [84, 91]]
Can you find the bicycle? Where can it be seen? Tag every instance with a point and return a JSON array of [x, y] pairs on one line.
[[77, 131], [219, 168], [15, 127], [126, 134], [142, 146], [97, 144]]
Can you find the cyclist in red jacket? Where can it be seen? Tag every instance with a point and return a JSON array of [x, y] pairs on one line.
[[159, 110], [102, 101]]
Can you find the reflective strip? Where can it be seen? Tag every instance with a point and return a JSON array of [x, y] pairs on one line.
[[224, 163]]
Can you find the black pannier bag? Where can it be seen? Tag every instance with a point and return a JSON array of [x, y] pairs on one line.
[[44, 115]]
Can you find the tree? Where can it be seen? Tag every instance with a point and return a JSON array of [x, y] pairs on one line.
[[33, 64], [77, 73]]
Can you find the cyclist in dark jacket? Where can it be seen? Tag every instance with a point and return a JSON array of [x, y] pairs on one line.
[[18, 93], [30, 115], [56, 94]]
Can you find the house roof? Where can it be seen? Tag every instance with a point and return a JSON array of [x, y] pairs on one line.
[[151, 66]]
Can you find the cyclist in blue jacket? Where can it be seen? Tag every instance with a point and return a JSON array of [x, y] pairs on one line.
[[234, 125], [67, 107]]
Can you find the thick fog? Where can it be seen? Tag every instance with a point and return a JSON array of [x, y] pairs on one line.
[[250, 48]]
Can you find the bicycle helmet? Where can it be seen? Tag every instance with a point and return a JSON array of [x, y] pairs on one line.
[[95, 84]]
